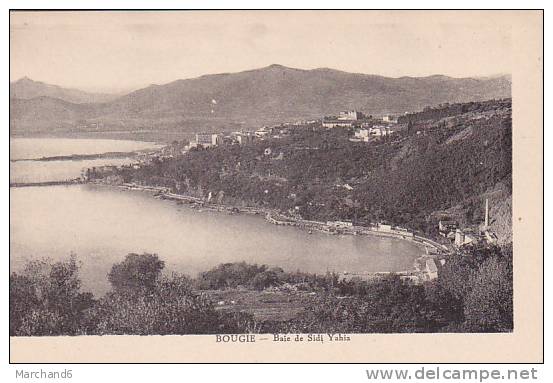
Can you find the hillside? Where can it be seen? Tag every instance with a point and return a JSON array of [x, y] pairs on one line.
[[25, 88], [269, 95], [439, 164], [47, 113]]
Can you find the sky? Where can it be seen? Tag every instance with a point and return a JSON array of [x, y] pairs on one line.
[[123, 51]]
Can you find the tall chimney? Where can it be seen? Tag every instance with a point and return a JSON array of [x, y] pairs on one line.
[[487, 219]]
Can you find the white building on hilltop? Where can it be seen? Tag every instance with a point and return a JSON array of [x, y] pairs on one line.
[[380, 131], [207, 140], [350, 115], [362, 134], [346, 119]]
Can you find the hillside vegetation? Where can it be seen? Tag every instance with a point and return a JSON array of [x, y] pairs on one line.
[[426, 166]]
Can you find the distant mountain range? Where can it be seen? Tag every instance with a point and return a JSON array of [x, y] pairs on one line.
[[25, 88], [248, 99]]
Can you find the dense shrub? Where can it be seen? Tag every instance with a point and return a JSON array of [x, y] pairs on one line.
[[473, 293], [169, 307], [229, 275], [136, 272], [143, 302], [489, 305], [388, 306], [45, 299], [477, 287], [265, 279]]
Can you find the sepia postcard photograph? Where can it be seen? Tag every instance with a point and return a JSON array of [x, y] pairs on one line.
[[269, 186]]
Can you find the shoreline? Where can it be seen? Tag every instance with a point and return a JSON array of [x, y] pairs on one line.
[[417, 274], [430, 250], [200, 204], [324, 227], [84, 157], [303, 224]]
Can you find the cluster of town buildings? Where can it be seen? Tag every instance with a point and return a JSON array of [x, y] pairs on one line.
[[366, 128], [365, 134], [428, 266], [207, 140], [355, 119], [461, 237]]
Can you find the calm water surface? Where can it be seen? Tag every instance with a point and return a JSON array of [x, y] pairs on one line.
[[102, 224], [42, 171], [30, 148]]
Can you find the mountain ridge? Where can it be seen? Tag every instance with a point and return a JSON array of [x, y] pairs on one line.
[[26, 88], [247, 99]]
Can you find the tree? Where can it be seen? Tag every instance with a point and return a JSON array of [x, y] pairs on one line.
[[45, 299], [229, 275], [448, 309], [489, 306], [265, 279], [22, 299], [455, 275], [137, 273], [171, 306]]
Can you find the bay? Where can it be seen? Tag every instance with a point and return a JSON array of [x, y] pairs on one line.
[[101, 224]]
